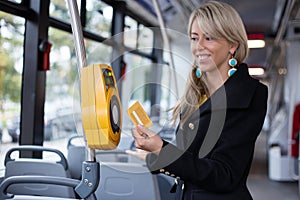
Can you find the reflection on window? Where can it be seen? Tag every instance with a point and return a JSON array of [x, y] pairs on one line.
[[62, 104], [137, 36], [135, 85], [130, 33], [58, 9], [62, 107], [138, 85], [11, 68], [63, 72], [169, 96], [99, 17], [97, 52], [145, 39]]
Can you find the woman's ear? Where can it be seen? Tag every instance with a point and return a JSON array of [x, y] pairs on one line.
[[233, 48]]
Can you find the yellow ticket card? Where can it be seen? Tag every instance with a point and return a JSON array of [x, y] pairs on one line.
[[138, 115]]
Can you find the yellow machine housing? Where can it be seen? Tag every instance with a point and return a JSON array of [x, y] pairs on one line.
[[100, 107]]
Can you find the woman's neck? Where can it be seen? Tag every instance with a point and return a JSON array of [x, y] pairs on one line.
[[216, 79]]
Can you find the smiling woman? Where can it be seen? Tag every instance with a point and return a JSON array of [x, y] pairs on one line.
[[220, 115]]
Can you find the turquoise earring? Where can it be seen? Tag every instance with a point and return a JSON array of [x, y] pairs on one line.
[[232, 63], [198, 73]]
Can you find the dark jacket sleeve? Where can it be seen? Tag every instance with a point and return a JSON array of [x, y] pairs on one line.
[[228, 163]]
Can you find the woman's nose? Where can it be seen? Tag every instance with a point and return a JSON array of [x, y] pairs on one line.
[[200, 44]]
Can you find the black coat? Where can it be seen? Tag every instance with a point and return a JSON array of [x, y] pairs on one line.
[[214, 149]]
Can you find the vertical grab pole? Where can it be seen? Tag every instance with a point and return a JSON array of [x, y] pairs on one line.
[[166, 40], [90, 168], [77, 33], [80, 54]]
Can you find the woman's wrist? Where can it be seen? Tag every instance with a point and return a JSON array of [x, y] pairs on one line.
[[159, 147]]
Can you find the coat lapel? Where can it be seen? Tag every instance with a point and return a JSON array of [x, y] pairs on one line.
[[236, 92]]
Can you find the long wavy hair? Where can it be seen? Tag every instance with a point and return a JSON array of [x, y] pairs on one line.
[[218, 20]]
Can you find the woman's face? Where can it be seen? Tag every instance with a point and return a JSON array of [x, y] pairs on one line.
[[211, 54]]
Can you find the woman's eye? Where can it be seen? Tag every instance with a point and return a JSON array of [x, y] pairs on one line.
[[208, 38], [194, 38]]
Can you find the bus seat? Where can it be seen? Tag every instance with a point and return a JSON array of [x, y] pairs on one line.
[[75, 155], [17, 180], [126, 181], [40, 167]]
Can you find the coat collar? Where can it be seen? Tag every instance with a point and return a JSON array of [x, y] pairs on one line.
[[236, 92]]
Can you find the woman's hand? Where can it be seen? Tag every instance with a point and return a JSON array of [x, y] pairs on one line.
[[139, 153], [146, 139]]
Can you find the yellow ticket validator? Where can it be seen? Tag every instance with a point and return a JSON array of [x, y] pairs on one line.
[[138, 115], [100, 107]]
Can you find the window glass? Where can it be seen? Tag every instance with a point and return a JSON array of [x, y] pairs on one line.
[[169, 96], [62, 107], [99, 18], [97, 52], [130, 32], [145, 39], [58, 9], [11, 68], [137, 36], [135, 83]]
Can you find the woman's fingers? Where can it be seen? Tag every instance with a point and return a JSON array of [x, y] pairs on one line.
[[146, 139], [142, 129], [140, 154], [139, 139], [137, 133]]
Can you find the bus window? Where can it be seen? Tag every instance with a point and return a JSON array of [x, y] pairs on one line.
[[58, 9], [137, 36], [62, 107], [11, 68], [145, 39], [135, 83], [99, 18], [130, 32], [97, 52]]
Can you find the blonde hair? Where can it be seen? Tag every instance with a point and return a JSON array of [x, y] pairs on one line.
[[218, 20]]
